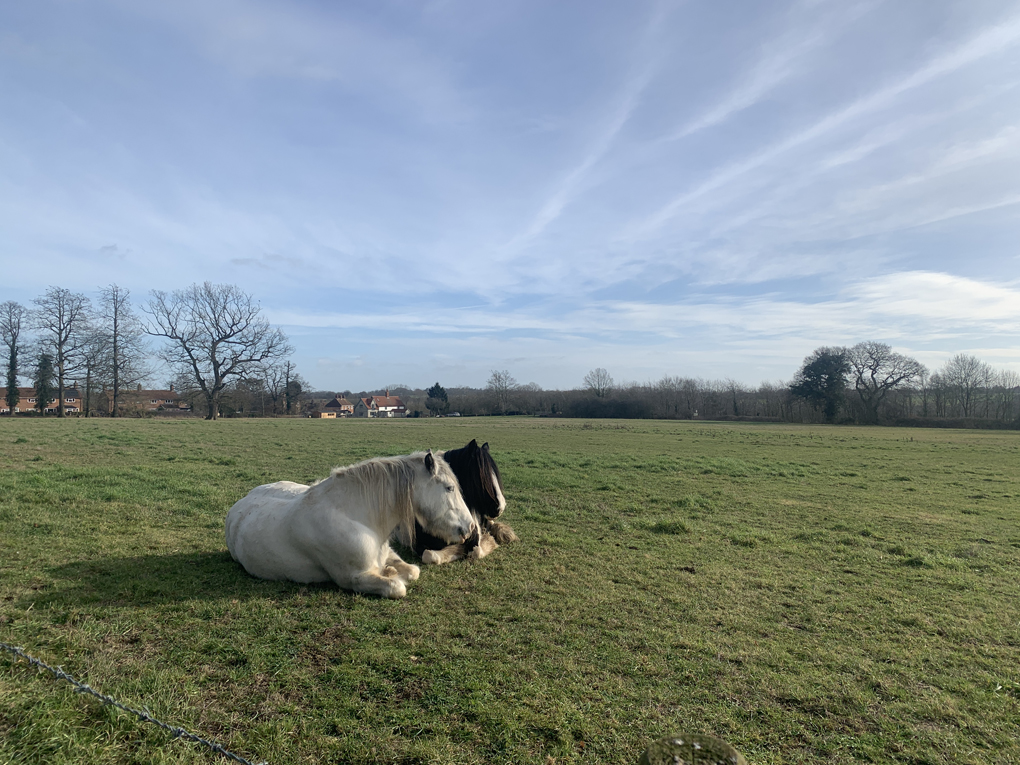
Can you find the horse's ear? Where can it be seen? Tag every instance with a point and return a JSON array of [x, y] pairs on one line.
[[472, 446], [430, 463], [485, 447]]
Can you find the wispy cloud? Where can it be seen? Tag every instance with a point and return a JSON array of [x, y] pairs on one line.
[[783, 58], [990, 42], [320, 45], [915, 298], [568, 187]]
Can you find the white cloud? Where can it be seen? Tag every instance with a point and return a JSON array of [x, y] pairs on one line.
[[988, 43]]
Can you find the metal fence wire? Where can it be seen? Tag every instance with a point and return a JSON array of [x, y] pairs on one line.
[[144, 716]]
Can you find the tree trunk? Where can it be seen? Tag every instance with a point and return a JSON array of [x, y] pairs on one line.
[[214, 406]]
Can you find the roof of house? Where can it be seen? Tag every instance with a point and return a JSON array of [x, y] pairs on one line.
[[171, 394], [69, 393], [337, 403], [389, 402]]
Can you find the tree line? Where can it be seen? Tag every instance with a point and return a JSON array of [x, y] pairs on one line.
[[226, 359], [866, 383], [212, 337]]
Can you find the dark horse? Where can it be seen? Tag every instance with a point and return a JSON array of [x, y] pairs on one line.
[[482, 487]]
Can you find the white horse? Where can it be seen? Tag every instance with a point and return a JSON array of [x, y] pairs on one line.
[[338, 528]]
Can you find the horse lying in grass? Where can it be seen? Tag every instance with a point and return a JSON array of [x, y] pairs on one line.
[[339, 528], [482, 487]]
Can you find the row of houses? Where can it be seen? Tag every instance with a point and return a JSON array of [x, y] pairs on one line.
[[137, 400], [26, 401], [373, 406]]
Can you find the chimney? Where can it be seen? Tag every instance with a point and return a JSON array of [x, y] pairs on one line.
[[171, 387], [139, 386], [387, 393]]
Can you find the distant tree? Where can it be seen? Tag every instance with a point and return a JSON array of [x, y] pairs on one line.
[[282, 384], [736, 393], [436, 401], [12, 318], [63, 319], [963, 376], [821, 380], [876, 370], [43, 382], [599, 382], [501, 387], [669, 396], [293, 386], [124, 341], [216, 333], [95, 366], [1007, 387]]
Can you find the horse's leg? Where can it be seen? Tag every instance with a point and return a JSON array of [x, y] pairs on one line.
[[372, 583], [406, 571], [364, 574], [486, 544], [502, 533], [448, 554]]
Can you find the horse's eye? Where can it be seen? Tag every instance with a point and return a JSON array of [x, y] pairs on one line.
[[449, 488]]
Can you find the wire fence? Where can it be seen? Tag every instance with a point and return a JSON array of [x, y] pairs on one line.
[[143, 715]]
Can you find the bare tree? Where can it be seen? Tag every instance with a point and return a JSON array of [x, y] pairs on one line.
[[964, 375], [1007, 384], [216, 332], [669, 396], [95, 365], [124, 342], [502, 386], [294, 385], [599, 382], [737, 392], [282, 384], [12, 318], [876, 370], [63, 319]]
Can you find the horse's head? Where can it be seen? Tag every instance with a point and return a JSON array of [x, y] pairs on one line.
[[479, 478], [438, 503]]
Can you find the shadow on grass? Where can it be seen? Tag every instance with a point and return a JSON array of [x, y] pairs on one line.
[[148, 580]]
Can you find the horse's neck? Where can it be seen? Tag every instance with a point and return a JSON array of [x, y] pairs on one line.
[[376, 509]]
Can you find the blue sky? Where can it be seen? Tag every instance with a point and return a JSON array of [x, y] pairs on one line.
[[422, 191]]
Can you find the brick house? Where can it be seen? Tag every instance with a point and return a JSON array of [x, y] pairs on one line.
[[72, 401], [340, 407], [143, 400], [380, 406]]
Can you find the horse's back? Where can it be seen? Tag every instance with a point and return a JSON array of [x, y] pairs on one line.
[[255, 519]]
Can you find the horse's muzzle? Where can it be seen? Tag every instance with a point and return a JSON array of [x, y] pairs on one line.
[[473, 532]]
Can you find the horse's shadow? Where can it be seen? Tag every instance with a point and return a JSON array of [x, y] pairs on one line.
[[154, 580]]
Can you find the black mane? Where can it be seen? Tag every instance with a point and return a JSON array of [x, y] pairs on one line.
[[474, 468]]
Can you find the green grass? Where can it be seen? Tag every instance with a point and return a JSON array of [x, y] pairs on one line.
[[807, 593]]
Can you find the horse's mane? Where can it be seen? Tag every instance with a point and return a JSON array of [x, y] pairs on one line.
[[474, 468], [383, 480]]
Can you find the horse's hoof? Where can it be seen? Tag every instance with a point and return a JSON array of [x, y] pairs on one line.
[[430, 556], [412, 573], [397, 589]]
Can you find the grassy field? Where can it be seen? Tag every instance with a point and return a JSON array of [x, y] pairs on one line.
[[809, 594]]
